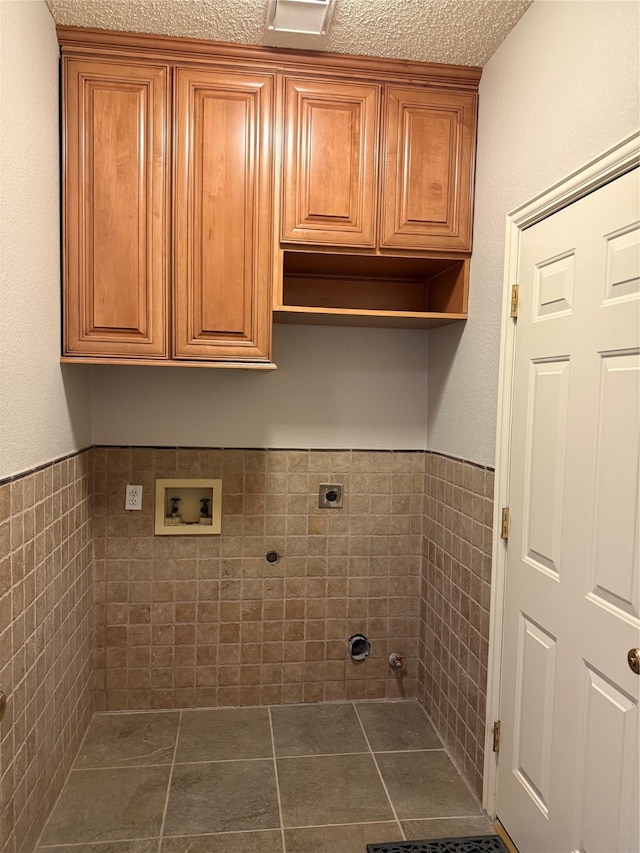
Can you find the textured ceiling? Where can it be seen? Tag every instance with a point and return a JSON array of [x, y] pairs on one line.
[[463, 32]]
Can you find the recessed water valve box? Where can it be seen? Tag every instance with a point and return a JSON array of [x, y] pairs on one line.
[[188, 507]]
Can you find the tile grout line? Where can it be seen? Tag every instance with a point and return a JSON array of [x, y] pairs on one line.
[[361, 752], [96, 767], [95, 844], [166, 800], [180, 763], [256, 831], [64, 785], [275, 768], [473, 816], [393, 809], [105, 767], [351, 823], [458, 768]]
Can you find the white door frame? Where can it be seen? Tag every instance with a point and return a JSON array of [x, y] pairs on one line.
[[611, 164]]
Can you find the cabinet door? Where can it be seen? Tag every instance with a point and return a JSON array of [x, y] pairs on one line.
[[428, 169], [330, 162], [223, 219], [115, 209]]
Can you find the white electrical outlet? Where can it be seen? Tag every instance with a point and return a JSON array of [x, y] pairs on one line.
[[133, 497]]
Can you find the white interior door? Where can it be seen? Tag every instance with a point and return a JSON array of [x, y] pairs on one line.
[[568, 762]]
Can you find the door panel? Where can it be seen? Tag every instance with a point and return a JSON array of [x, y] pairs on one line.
[[554, 284], [606, 769], [330, 162], [223, 215], [116, 194], [622, 278], [615, 574], [428, 169], [568, 770], [544, 476], [534, 710]]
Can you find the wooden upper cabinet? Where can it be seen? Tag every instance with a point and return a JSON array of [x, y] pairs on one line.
[[201, 178], [428, 169], [223, 214], [418, 197], [115, 209], [330, 162]]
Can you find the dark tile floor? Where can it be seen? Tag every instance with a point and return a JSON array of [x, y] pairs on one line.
[[294, 779]]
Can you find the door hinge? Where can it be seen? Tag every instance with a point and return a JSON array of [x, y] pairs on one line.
[[504, 529], [496, 736], [515, 298]]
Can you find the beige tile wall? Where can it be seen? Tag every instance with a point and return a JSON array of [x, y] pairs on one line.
[[46, 639], [207, 621], [454, 607]]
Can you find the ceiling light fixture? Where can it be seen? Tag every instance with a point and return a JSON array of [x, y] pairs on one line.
[[300, 16]]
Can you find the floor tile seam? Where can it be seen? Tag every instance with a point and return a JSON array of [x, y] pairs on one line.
[[474, 816], [122, 767], [325, 703], [320, 755], [307, 755], [463, 776], [170, 780], [156, 711], [275, 770], [92, 843], [349, 823], [63, 786], [139, 712], [82, 742], [172, 764], [461, 773], [223, 761], [404, 751], [257, 831], [379, 772], [296, 827], [431, 723], [169, 837], [224, 832], [285, 827], [355, 752]]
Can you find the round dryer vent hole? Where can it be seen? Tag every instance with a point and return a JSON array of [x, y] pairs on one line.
[[330, 495], [359, 647]]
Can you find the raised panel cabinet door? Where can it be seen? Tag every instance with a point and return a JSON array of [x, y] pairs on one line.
[[223, 215], [330, 162], [428, 169], [115, 168]]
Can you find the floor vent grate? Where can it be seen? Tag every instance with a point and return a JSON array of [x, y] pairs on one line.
[[473, 844]]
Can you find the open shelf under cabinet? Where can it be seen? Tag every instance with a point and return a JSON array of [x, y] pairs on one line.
[[362, 290]]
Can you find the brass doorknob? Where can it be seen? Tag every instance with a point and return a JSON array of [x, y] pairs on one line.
[[633, 657]]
